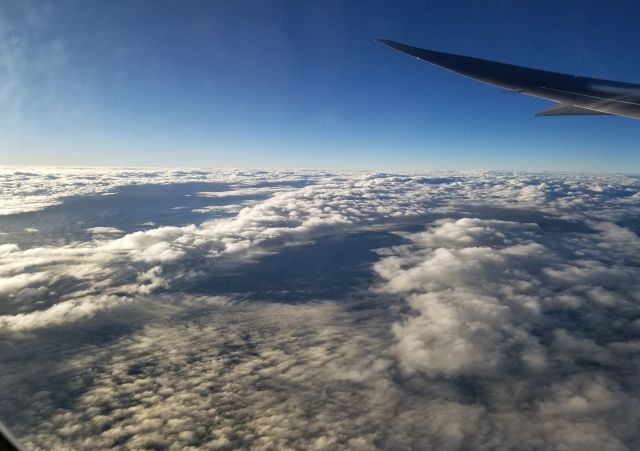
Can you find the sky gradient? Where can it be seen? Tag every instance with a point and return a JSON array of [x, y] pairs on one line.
[[304, 85]]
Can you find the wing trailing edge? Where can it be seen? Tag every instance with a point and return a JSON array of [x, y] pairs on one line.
[[564, 109]]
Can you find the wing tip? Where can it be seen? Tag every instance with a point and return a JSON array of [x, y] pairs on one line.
[[394, 44], [387, 42], [430, 56]]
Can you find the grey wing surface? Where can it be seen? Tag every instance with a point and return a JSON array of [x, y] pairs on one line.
[[575, 95]]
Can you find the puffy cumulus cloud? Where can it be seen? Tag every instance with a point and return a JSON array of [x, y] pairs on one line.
[[242, 191], [106, 266], [572, 196], [238, 376], [470, 282], [515, 329], [228, 209], [60, 313], [19, 281], [26, 188], [104, 230], [307, 376], [542, 329], [76, 304]]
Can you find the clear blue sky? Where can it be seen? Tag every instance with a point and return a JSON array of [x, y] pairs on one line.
[[302, 84]]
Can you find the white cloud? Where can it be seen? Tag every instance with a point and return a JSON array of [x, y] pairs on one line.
[[32, 188], [302, 376], [331, 204], [488, 301], [19, 281], [296, 215], [172, 386], [8, 248], [467, 281], [243, 191], [104, 230], [511, 324], [481, 287], [61, 313]]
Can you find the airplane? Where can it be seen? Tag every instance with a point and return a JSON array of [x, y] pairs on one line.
[[574, 95]]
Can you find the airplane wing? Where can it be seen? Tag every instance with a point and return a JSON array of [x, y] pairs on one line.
[[575, 95], [7, 440]]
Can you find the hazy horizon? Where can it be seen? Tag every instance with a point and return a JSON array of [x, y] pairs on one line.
[[328, 169]]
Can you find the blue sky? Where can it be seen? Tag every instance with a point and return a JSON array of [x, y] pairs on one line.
[[300, 84]]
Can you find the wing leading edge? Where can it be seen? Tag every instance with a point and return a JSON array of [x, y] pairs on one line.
[[575, 95]]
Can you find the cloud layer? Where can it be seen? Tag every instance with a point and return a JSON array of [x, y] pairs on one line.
[[546, 332], [507, 318]]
